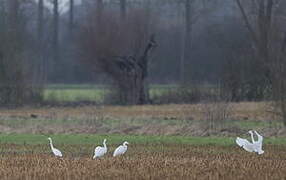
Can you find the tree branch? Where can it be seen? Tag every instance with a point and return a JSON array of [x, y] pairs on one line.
[[246, 20], [269, 11], [269, 6]]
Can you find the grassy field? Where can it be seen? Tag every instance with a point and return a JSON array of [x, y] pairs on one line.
[[116, 139], [73, 139], [89, 92], [75, 92], [148, 157], [166, 141], [145, 120]]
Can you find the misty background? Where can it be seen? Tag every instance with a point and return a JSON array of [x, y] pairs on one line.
[[143, 51]]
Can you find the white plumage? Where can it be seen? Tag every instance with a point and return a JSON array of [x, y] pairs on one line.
[[245, 144], [121, 149], [255, 146], [100, 151], [55, 151], [259, 143]]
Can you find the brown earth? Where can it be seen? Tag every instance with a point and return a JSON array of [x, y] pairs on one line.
[[141, 162]]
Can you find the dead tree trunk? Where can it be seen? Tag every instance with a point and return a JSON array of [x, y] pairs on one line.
[[186, 39], [40, 20], [143, 64], [71, 17], [130, 75], [55, 44], [56, 30], [40, 24], [40, 70], [279, 81]]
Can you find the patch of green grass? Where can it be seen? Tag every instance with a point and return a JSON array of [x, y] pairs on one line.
[[90, 92], [112, 139], [76, 86], [275, 141], [118, 139], [102, 86], [73, 95]]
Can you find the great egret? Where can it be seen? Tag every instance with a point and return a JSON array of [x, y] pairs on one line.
[[121, 149], [100, 151], [259, 143], [255, 146], [251, 134], [56, 152]]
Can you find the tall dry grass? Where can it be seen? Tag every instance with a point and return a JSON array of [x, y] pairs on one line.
[[151, 162]]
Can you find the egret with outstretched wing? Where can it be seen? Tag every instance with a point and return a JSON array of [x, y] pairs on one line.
[[255, 146], [245, 144]]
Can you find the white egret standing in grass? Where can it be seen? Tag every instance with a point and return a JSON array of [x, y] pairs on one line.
[[56, 152], [121, 149], [100, 151], [255, 146]]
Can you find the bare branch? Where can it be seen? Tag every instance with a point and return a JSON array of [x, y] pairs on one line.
[[269, 10], [246, 20]]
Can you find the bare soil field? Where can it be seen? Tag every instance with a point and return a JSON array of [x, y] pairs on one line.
[[144, 162]]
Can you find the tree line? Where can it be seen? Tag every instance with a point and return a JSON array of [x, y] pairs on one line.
[[238, 45]]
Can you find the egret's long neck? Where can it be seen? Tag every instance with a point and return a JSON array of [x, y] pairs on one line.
[[252, 137], [259, 139], [51, 144], [104, 144]]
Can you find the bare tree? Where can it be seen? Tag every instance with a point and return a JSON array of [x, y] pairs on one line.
[[260, 30], [186, 38], [278, 63], [263, 21], [40, 20], [279, 86], [56, 29], [71, 16], [193, 9], [40, 71], [122, 51], [16, 57], [55, 63]]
